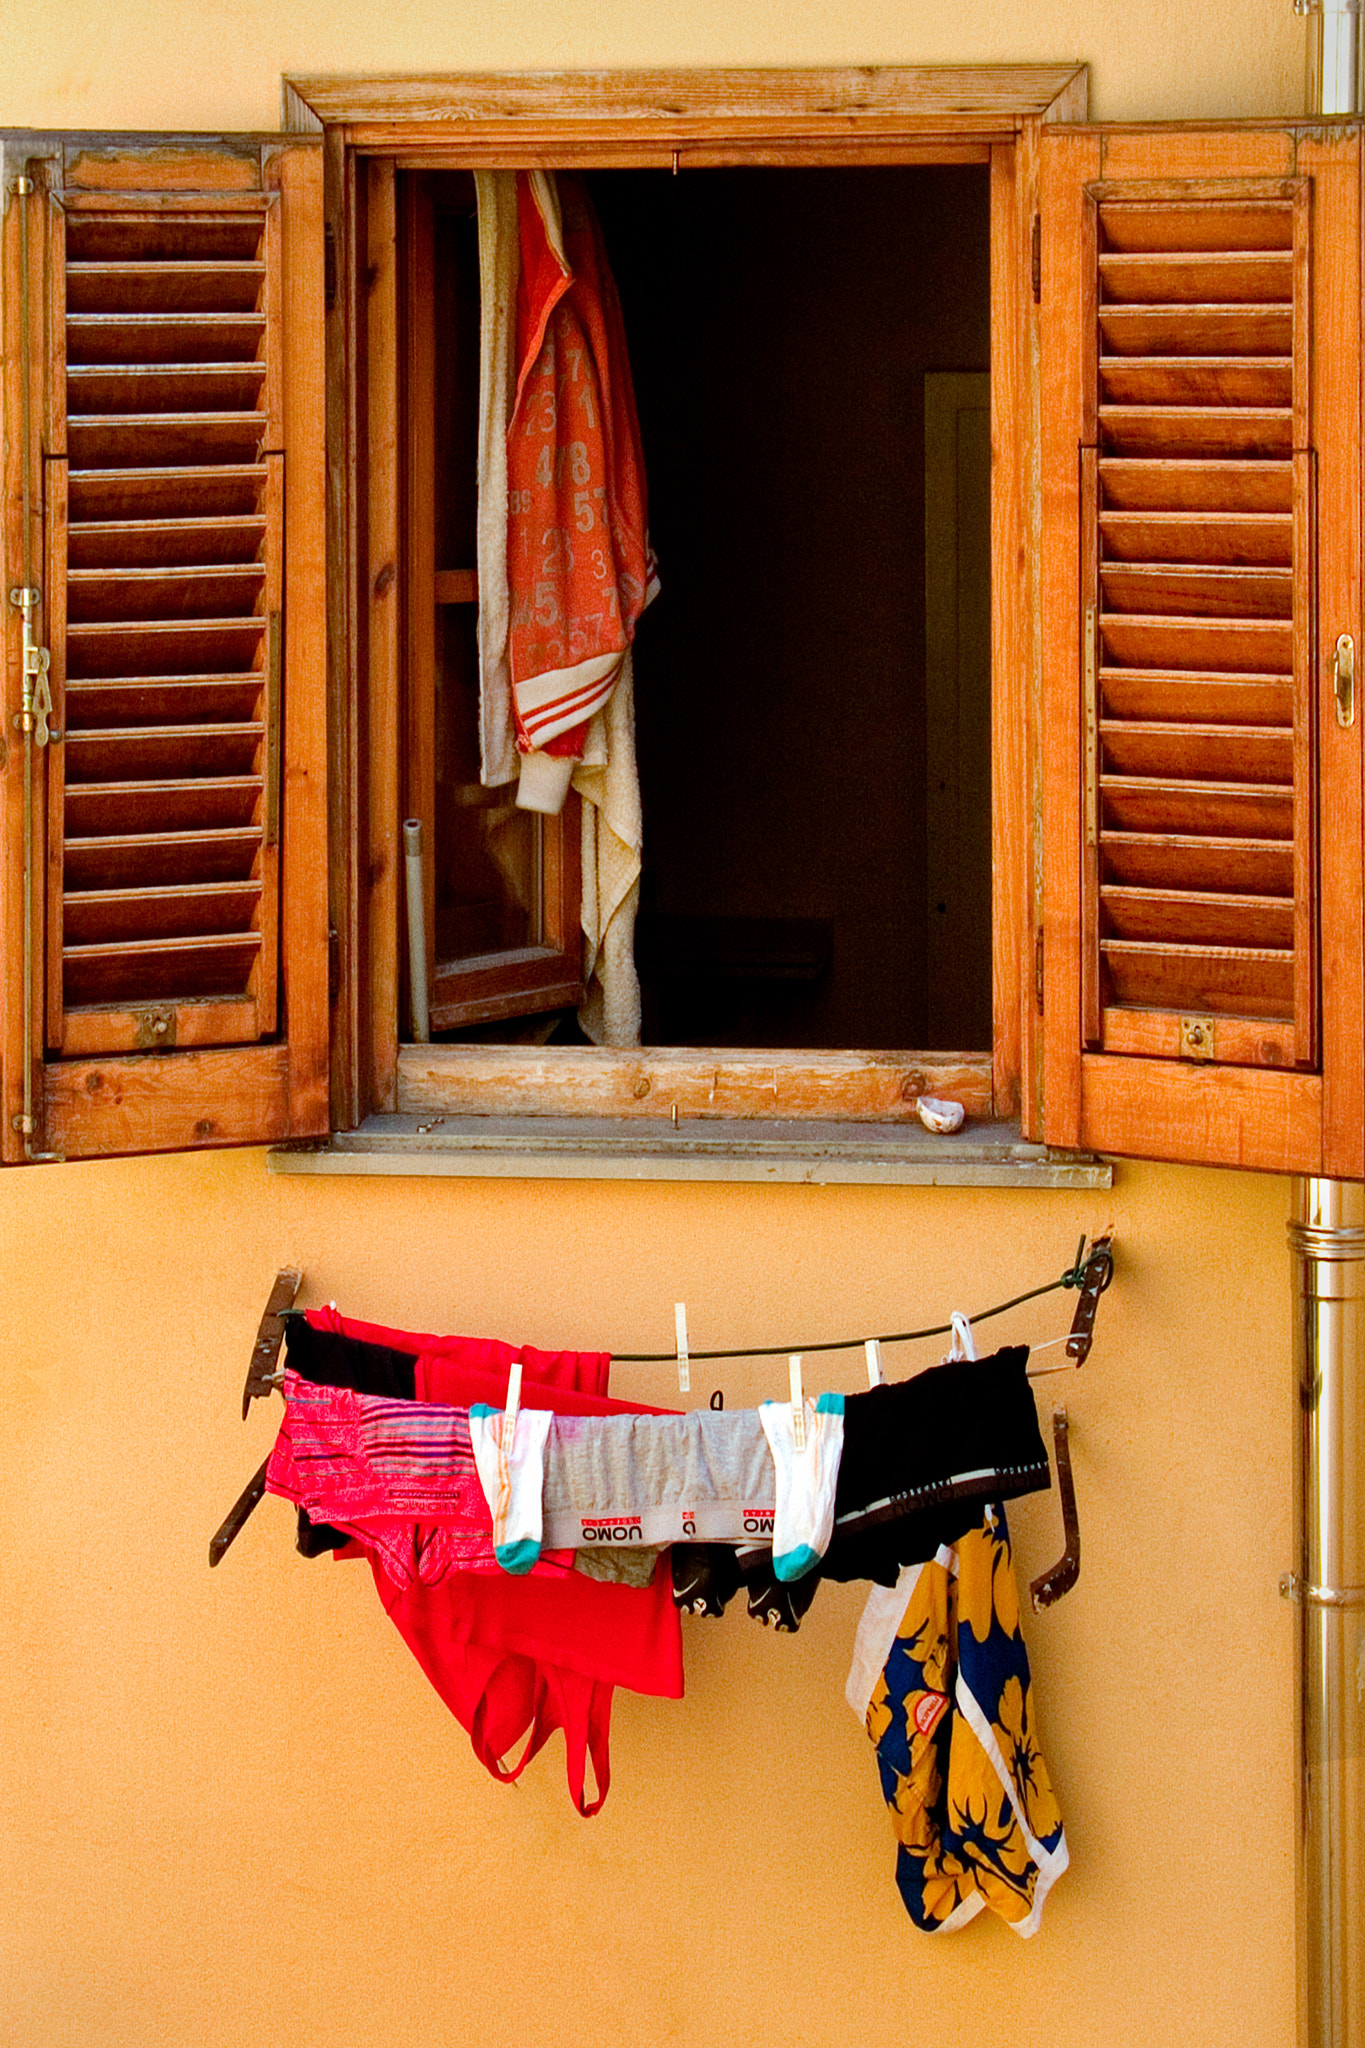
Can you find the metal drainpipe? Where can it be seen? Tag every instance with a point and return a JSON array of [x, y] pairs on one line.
[[1327, 1244]]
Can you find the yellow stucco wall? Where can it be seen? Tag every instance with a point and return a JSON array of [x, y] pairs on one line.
[[235, 1813], [121, 63]]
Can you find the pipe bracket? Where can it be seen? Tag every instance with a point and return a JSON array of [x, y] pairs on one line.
[[1292, 1587]]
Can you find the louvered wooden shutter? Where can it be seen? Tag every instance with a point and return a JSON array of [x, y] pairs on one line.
[[1197, 532], [1192, 441], [164, 527], [181, 449]]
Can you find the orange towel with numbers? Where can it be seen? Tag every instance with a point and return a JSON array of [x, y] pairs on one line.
[[578, 559]]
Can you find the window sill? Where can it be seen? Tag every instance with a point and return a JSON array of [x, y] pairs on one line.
[[983, 1154]]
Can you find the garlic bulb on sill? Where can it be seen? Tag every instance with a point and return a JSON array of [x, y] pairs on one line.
[[938, 1115]]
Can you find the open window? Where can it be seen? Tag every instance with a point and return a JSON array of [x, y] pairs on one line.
[[1155, 824], [830, 691], [812, 685]]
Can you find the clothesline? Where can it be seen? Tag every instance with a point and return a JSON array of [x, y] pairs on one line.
[[458, 1509], [1091, 1273], [1073, 1277]]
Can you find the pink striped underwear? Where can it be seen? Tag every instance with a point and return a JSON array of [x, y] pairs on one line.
[[399, 1476]]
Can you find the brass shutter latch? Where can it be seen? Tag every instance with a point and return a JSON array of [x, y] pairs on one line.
[[1344, 679], [37, 698]]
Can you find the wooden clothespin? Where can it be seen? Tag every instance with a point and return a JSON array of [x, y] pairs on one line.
[[684, 1366], [798, 1402], [873, 1352], [512, 1404]]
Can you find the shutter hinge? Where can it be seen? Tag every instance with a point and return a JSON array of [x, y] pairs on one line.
[[1038, 969], [1037, 258], [329, 267], [333, 963]]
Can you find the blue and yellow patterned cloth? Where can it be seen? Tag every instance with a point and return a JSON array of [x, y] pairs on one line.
[[941, 1677]]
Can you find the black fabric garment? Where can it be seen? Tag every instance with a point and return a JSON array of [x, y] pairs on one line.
[[317, 1539], [327, 1359], [919, 1452], [705, 1577], [780, 1603]]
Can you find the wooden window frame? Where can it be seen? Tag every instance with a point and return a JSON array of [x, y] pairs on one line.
[[335, 176], [989, 115]]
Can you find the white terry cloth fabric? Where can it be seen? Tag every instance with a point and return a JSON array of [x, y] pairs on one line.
[[803, 1517], [608, 776], [877, 1629], [499, 265], [608, 780], [513, 1485]]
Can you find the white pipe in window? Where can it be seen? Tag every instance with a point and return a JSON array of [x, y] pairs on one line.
[[417, 930], [1334, 55]]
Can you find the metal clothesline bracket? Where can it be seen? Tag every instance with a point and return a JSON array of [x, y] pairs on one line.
[[261, 1377], [1092, 1273], [1093, 1276], [233, 1522], [1049, 1586]]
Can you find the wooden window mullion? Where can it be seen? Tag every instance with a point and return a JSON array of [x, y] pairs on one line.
[[418, 467]]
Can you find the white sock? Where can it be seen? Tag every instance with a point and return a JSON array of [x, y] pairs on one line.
[[513, 1487], [803, 1517]]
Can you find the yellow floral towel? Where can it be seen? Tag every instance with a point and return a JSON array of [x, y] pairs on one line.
[[950, 1711]]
